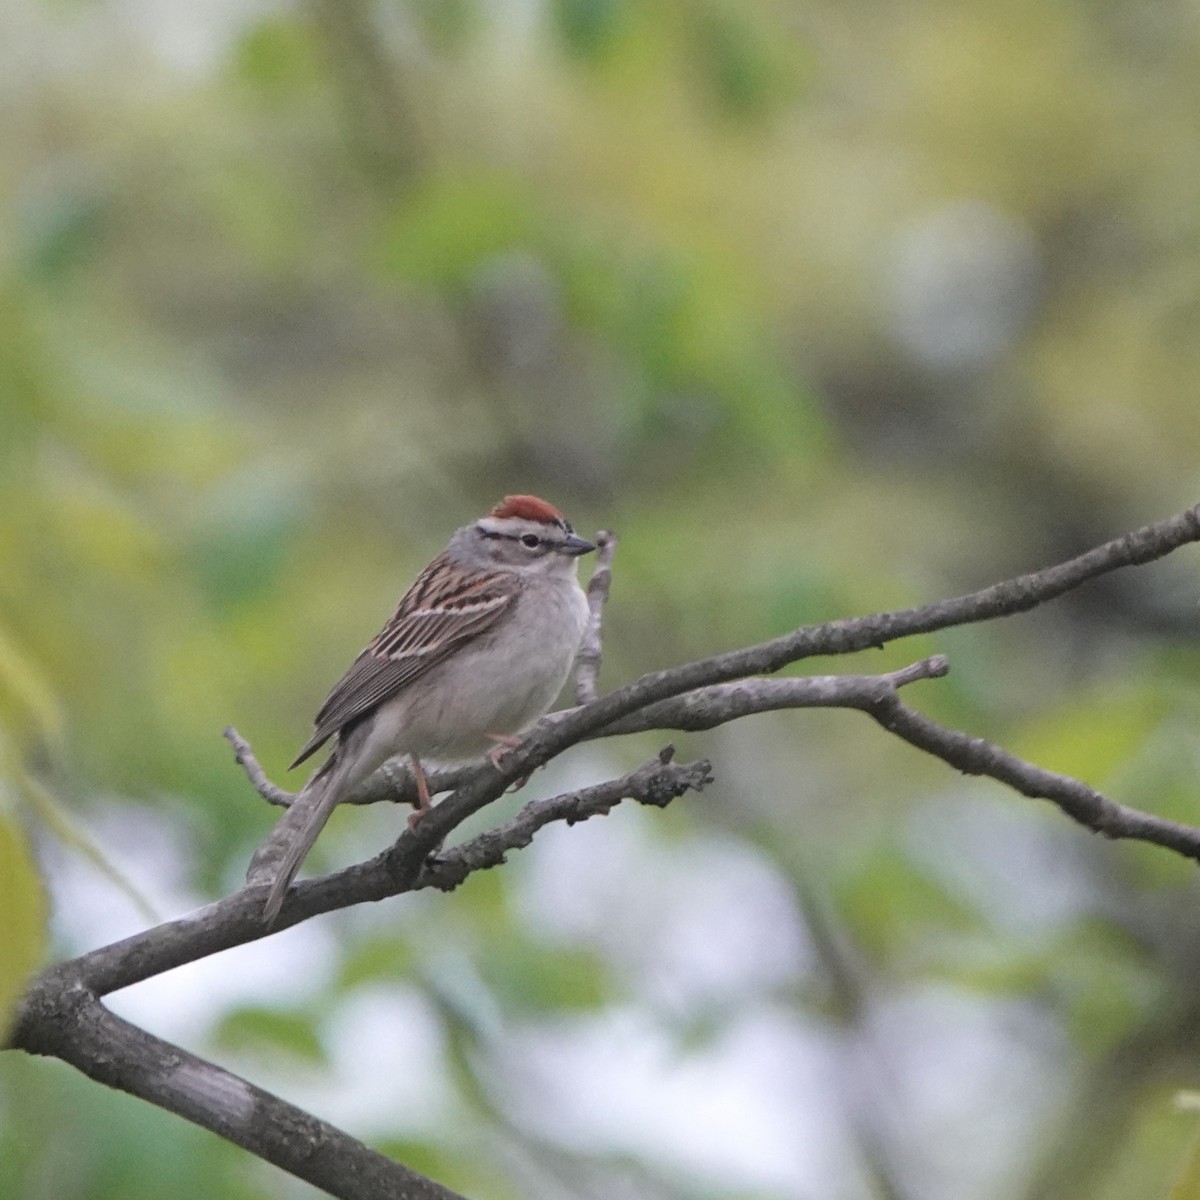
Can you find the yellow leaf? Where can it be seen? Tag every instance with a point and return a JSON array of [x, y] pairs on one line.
[[1187, 1186], [23, 902], [27, 700]]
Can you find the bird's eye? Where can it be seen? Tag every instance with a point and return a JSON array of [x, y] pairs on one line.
[[531, 540]]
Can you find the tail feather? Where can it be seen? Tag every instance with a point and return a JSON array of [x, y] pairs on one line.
[[279, 857]]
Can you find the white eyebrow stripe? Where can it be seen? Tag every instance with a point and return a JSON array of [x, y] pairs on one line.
[[514, 527]]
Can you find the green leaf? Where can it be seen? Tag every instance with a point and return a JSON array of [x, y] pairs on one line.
[[529, 978], [456, 1165], [259, 1030], [1095, 737], [893, 905], [279, 58], [744, 64], [367, 961], [450, 225], [449, 26], [588, 28]]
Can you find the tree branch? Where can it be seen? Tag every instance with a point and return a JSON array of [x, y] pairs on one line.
[[63, 1019], [554, 734], [61, 1014], [393, 781], [656, 782], [587, 662], [237, 919], [244, 756], [975, 756], [405, 866], [707, 707]]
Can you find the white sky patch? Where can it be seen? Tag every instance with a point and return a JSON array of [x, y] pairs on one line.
[[1001, 855], [747, 1110], [184, 1004], [386, 1047], [978, 1077], [698, 920], [193, 39]]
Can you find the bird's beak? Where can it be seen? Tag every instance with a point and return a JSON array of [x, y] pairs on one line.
[[574, 545]]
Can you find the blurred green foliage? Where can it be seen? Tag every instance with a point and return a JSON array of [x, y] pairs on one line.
[[826, 309]]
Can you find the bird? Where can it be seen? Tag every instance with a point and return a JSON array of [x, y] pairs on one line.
[[476, 650]]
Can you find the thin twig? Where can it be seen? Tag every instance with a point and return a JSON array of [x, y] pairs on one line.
[[1084, 804], [270, 792], [708, 707], [587, 662], [656, 782], [393, 781]]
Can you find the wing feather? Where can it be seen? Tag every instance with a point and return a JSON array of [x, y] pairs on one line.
[[443, 608]]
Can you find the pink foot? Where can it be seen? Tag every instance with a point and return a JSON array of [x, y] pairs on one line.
[[504, 743], [423, 802]]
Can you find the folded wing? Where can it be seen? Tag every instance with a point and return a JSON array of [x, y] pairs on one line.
[[445, 606]]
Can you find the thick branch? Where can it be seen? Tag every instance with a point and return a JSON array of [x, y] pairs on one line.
[[62, 1018], [237, 919], [878, 695]]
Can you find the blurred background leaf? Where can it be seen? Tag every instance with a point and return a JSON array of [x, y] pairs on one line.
[[24, 941]]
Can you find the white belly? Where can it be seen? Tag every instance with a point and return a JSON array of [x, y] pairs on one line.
[[499, 686]]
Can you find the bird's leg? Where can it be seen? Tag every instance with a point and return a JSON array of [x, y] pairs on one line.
[[504, 743], [423, 804]]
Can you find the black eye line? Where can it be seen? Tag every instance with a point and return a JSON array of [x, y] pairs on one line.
[[516, 537]]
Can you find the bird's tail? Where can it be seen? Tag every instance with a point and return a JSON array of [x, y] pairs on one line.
[[279, 856]]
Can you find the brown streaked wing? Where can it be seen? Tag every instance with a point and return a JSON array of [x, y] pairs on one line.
[[445, 606]]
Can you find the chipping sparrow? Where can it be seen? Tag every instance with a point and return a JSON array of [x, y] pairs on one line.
[[477, 649]]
